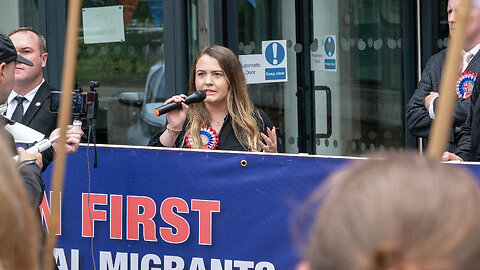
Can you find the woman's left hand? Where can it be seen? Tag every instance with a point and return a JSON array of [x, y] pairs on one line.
[[270, 144]]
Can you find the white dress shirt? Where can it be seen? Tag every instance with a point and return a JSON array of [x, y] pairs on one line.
[[12, 102]]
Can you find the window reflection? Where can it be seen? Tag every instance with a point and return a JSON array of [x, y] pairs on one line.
[[367, 88], [131, 73]]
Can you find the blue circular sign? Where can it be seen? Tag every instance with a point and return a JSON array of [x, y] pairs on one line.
[[274, 53], [329, 46]]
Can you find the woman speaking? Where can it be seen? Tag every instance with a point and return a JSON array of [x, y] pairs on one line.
[[226, 119]]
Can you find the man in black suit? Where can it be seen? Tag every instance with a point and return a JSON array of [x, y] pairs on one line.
[[422, 105], [30, 87], [30, 164], [31, 174]]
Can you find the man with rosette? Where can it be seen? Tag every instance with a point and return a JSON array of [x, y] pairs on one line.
[[421, 107]]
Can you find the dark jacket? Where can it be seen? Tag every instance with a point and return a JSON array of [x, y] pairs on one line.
[[417, 118], [469, 141], [39, 117]]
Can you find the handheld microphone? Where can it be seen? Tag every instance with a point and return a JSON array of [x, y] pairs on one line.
[[40, 146], [195, 97]]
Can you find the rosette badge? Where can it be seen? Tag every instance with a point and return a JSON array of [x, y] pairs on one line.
[[209, 138], [465, 84]]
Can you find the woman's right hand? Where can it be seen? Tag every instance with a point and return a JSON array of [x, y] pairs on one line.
[[176, 118]]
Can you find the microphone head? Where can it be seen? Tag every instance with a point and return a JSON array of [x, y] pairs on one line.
[[197, 96], [201, 95]]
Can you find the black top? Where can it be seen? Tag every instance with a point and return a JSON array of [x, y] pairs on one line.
[[227, 138]]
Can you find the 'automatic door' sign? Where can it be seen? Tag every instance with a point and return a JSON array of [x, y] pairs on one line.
[[268, 67]]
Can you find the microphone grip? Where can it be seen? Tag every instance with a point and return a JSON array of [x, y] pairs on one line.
[[196, 96], [167, 107]]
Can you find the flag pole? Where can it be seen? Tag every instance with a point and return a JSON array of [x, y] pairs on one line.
[[64, 118]]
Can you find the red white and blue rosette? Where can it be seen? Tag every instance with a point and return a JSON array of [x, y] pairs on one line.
[[209, 138], [465, 84]]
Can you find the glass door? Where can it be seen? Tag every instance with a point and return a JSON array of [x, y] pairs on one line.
[[356, 57], [355, 73], [272, 20]]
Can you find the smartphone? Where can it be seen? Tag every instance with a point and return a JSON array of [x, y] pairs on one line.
[[79, 102]]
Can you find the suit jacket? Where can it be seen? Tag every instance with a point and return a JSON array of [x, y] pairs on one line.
[[469, 139], [39, 117], [417, 118]]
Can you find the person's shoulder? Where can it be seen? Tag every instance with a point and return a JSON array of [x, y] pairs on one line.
[[43, 92], [44, 89], [435, 63], [440, 56], [262, 117], [260, 112], [45, 85]]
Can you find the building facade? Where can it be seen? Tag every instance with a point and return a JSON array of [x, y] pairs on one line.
[[352, 106]]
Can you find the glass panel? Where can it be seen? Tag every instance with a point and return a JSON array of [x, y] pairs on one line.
[[17, 13], [131, 73], [272, 20], [442, 40], [193, 31], [364, 75]]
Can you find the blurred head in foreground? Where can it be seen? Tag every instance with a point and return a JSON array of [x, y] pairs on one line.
[[405, 212], [19, 228]]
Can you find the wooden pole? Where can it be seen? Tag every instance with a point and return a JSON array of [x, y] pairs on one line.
[[442, 125], [64, 118]]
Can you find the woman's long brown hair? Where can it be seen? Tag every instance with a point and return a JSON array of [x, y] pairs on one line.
[[239, 105]]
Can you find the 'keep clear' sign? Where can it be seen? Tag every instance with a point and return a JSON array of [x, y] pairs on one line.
[[268, 67]]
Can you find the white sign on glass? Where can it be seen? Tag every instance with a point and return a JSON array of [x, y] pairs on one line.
[[103, 24]]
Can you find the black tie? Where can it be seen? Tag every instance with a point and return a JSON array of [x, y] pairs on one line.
[[18, 113]]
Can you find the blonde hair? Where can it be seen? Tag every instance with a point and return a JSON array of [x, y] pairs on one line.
[[240, 108], [19, 227], [405, 212]]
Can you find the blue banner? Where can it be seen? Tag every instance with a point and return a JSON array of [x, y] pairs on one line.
[[154, 208]]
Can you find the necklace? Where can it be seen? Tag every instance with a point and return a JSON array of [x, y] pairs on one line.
[[218, 123]]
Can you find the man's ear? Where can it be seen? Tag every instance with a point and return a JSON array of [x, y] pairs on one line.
[[303, 265], [3, 67], [44, 57]]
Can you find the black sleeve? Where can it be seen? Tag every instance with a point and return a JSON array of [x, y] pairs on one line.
[[463, 147], [462, 107], [31, 176], [47, 155], [47, 158], [417, 117], [265, 122], [155, 140]]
